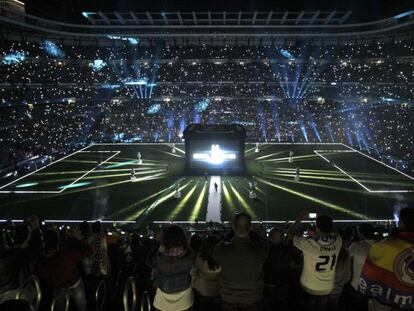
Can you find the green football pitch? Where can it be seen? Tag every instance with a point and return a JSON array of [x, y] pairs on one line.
[[334, 179]]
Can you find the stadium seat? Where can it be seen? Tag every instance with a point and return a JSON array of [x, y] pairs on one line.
[[129, 296]]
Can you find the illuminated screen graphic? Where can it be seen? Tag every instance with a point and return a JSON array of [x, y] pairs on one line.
[[214, 154]]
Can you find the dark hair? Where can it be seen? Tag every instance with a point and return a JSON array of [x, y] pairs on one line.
[[195, 242], [242, 223], [275, 229], [51, 240], [20, 233], [324, 223], [206, 251], [407, 218], [96, 227], [367, 230], [174, 236], [84, 228]]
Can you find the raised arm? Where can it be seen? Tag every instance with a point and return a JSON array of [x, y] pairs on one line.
[[294, 227]]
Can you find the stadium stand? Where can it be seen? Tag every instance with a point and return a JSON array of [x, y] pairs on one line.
[[115, 79]]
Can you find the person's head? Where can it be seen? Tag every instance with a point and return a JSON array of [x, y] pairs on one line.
[[51, 240], [241, 224], [84, 228], [96, 227], [324, 224], [195, 242], [407, 219], [20, 233], [366, 232], [207, 249], [275, 235], [174, 236]]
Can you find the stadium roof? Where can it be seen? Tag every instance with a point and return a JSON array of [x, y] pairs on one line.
[[218, 18], [362, 11]]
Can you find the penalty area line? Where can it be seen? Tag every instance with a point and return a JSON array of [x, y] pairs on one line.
[[88, 172], [358, 182], [42, 168]]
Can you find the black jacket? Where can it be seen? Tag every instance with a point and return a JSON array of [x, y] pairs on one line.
[[241, 261]]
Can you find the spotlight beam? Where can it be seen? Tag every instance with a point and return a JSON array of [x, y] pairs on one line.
[[177, 210], [199, 204], [243, 201], [314, 199]]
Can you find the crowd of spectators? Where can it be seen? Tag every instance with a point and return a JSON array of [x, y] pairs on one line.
[[317, 267], [356, 93]]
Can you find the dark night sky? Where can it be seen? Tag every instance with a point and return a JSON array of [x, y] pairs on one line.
[[70, 10]]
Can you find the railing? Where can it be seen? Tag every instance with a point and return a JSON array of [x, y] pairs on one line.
[[146, 304], [100, 295], [30, 291], [129, 295], [59, 300]]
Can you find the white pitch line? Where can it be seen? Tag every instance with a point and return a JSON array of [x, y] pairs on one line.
[[359, 183], [134, 144], [74, 182], [393, 168], [63, 189], [178, 222], [291, 144], [276, 221], [97, 151], [201, 222], [73, 221], [47, 165], [30, 191], [336, 166]]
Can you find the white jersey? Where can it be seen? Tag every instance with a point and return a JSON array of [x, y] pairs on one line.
[[320, 255]]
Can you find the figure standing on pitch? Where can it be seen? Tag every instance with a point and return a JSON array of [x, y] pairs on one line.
[[257, 147], [173, 148], [297, 175], [139, 158], [205, 177], [133, 175], [252, 188], [290, 156], [215, 187], [177, 192]]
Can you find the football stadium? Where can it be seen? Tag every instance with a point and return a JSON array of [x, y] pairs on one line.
[[151, 151]]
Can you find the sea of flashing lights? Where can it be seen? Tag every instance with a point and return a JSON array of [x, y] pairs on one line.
[[56, 96]]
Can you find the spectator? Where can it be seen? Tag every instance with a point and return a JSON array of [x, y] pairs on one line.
[[320, 254], [358, 251], [205, 277], [58, 269], [195, 242], [16, 258], [277, 272], [171, 267], [96, 266], [241, 260], [343, 275], [388, 273]]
